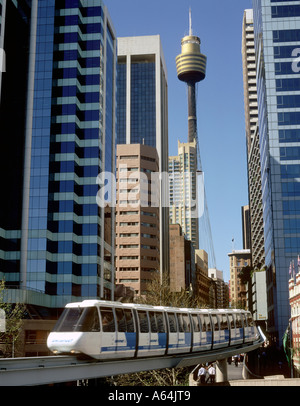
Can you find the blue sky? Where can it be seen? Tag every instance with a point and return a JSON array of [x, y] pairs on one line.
[[220, 99]]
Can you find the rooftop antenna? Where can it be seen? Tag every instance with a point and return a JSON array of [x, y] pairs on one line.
[[190, 22]]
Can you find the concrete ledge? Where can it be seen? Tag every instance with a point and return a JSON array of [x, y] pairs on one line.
[[275, 380], [267, 381]]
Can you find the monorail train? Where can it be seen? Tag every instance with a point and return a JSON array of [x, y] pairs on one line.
[[106, 330]]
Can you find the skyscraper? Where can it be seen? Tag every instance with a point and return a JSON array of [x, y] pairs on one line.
[[182, 171], [276, 35], [252, 142], [142, 113], [57, 243]]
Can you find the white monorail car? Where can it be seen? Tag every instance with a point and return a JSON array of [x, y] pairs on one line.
[[105, 330]]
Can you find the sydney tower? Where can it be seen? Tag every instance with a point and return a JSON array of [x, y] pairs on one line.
[[191, 67]]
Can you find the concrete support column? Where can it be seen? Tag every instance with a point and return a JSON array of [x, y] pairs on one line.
[[221, 370]]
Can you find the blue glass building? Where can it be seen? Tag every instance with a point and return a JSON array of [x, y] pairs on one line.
[[277, 33], [57, 241]]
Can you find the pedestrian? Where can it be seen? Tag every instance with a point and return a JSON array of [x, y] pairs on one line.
[[201, 374], [212, 374]]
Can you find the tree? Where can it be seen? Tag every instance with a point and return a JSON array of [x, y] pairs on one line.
[[160, 294], [245, 274], [13, 322]]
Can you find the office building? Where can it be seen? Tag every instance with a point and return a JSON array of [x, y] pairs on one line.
[[137, 217], [57, 123], [182, 261], [204, 286], [238, 259], [276, 37], [221, 287], [142, 113]]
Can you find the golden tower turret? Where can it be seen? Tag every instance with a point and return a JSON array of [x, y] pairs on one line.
[[191, 68]]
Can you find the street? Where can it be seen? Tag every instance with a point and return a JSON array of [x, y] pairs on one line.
[[234, 372]]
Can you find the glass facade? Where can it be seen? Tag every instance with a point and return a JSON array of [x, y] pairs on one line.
[[143, 113], [13, 86], [142, 102], [121, 103], [67, 255], [276, 28]]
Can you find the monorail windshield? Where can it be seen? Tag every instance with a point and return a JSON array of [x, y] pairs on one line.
[[78, 319]]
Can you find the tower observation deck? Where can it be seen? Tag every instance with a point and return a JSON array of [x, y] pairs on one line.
[[191, 68]]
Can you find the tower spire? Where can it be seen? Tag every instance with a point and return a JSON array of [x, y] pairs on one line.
[[190, 22]]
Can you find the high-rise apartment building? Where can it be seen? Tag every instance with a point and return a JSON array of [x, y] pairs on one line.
[[276, 37], [249, 76], [252, 142], [137, 216], [57, 123], [142, 116], [183, 190]]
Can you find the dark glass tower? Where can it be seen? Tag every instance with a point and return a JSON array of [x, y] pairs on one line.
[[276, 35], [63, 242]]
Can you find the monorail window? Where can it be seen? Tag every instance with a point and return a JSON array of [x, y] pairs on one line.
[[129, 321], [90, 320], [244, 319], [183, 323], [215, 322], [107, 318], [250, 320], [172, 323], [203, 324], [186, 323], [160, 322], [238, 321], [180, 322], [231, 321], [68, 319], [121, 320], [196, 325], [83, 319], [143, 321], [224, 322], [157, 322], [124, 321], [153, 323], [205, 321]]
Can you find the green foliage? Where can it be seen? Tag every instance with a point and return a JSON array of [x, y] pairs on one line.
[[13, 322], [160, 294]]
